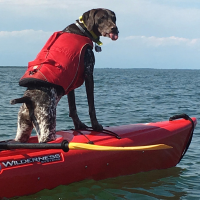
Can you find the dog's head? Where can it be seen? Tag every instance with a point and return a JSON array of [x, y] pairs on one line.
[[102, 22]]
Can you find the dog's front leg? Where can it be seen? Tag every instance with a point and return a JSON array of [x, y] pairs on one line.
[[73, 112], [89, 84]]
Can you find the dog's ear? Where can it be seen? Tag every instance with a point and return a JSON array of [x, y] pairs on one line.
[[88, 18]]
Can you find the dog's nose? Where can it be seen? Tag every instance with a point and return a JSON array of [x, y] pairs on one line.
[[114, 29]]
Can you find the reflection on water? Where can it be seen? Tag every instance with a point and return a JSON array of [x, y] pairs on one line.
[[158, 184]]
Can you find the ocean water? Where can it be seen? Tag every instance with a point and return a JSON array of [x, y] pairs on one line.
[[123, 96]]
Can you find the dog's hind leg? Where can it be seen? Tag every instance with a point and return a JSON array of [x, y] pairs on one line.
[[25, 125], [29, 104], [38, 110], [45, 113]]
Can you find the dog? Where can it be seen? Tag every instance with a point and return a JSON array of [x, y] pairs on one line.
[[64, 63]]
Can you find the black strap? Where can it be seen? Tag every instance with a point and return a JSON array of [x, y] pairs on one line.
[[91, 129], [89, 141], [107, 132], [186, 117]]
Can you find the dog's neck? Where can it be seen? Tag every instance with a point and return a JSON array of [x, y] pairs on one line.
[[80, 29], [72, 28]]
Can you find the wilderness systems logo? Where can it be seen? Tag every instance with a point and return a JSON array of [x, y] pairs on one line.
[[39, 159]]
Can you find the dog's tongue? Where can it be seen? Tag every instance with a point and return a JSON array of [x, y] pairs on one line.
[[113, 36]]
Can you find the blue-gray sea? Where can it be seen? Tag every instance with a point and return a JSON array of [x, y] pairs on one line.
[[123, 96]]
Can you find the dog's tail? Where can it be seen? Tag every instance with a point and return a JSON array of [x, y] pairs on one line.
[[26, 100], [30, 106]]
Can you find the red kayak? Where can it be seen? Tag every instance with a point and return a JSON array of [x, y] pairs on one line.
[[25, 171]]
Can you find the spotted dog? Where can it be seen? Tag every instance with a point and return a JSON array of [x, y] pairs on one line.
[[64, 63]]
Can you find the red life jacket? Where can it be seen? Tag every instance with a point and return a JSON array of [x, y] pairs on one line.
[[61, 61]]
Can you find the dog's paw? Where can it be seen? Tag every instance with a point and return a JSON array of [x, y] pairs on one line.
[[80, 126], [97, 127]]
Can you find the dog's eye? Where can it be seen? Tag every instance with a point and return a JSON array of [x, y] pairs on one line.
[[101, 19]]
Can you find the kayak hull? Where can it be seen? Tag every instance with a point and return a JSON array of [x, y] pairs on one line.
[[26, 171]]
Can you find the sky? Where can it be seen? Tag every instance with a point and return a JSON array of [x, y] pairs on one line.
[[162, 34]]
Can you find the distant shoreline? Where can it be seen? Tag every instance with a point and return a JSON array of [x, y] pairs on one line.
[[114, 68]]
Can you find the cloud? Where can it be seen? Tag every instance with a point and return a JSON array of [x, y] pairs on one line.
[[29, 33], [22, 39], [131, 51], [47, 15], [159, 18], [151, 52], [134, 17], [19, 47], [36, 6], [164, 41], [39, 3]]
